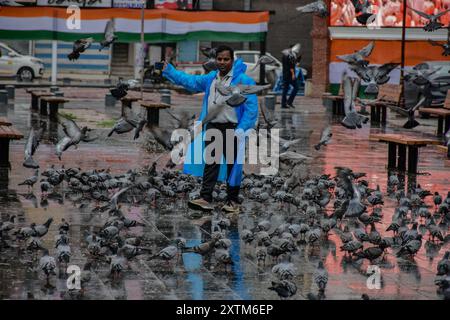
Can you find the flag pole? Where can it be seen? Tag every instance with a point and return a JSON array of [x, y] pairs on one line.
[[142, 49]]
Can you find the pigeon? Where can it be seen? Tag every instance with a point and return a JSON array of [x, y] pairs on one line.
[[122, 87], [358, 57], [117, 263], [203, 248], [293, 52], [324, 138], [30, 181], [319, 8], [47, 264], [412, 122], [168, 253], [284, 271], [42, 229], [420, 76], [235, 95], [30, 148], [79, 46], [210, 53], [374, 75], [437, 199], [362, 10], [72, 131], [321, 277], [445, 46], [109, 36], [268, 119], [443, 266], [284, 288], [263, 60], [411, 247], [352, 119], [370, 253], [433, 24], [222, 256], [120, 127]]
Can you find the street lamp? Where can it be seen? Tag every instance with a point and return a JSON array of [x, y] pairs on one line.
[[402, 62]]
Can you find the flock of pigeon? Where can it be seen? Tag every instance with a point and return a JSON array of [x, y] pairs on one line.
[[344, 205]]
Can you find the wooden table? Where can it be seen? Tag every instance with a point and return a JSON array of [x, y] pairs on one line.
[[127, 101], [405, 144], [4, 122], [35, 95], [53, 105], [153, 110], [7, 133]]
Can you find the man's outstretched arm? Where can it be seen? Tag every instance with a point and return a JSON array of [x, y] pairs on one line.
[[194, 83]]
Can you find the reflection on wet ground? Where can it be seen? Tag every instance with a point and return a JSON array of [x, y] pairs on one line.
[[193, 276]]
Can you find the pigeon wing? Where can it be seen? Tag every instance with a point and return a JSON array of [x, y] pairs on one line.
[[367, 50], [434, 43], [109, 30], [225, 91], [422, 14], [440, 14], [248, 89]]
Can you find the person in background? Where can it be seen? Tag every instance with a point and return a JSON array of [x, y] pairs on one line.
[[289, 78]]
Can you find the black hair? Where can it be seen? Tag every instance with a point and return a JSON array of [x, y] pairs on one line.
[[223, 48]]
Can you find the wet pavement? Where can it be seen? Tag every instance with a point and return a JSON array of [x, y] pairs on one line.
[[194, 277]]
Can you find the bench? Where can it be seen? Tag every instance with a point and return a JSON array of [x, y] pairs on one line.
[[337, 101], [4, 122], [405, 144], [53, 105], [443, 115], [127, 101], [35, 95], [153, 110], [388, 96], [7, 133]]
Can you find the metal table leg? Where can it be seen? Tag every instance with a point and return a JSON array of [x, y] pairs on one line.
[[401, 157], [413, 159], [392, 155]]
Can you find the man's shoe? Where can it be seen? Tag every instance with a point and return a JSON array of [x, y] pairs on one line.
[[231, 207], [284, 107], [291, 106], [200, 204]]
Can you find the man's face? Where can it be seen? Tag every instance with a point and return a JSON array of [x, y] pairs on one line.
[[224, 61]]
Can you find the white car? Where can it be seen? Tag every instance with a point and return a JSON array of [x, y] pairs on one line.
[[250, 58], [14, 64]]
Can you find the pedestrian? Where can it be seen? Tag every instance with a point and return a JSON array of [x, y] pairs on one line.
[[238, 119], [289, 76]]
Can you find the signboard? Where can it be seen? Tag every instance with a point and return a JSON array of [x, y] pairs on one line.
[[127, 3], [17, 3], [388, 13], [80, 3], [173, 4]]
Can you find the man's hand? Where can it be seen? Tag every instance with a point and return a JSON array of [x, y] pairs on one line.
[[165, 65]]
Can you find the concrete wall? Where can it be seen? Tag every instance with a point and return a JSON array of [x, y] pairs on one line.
[[286, 26]]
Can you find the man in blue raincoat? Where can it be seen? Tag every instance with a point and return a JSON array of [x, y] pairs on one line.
[[240, 119]]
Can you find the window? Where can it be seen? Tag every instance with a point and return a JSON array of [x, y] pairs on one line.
[[3, 52], [247, 57]]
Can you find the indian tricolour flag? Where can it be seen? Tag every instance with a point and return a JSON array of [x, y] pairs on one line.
[[47, 23]]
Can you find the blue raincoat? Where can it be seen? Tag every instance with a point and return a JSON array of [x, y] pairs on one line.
[[247, 114]]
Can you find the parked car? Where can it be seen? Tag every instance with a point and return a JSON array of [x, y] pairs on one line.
[[14, 64], [250, 58], [440, 83]]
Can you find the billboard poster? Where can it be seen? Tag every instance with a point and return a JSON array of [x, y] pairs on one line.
[[128, 3], [388, 13], [80, 3], [173, 4]]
